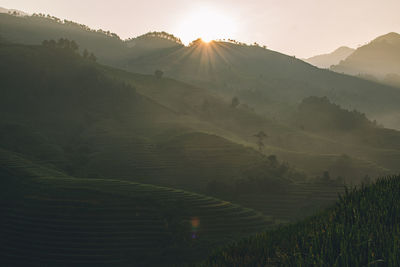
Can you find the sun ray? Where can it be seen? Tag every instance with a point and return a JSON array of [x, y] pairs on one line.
[[207, 23]]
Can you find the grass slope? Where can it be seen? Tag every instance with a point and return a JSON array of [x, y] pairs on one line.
[[360, 230]]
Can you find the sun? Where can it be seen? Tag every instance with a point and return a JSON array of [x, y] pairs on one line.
[[206, 23]]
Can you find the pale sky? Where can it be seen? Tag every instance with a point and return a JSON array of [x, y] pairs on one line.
[[295, 27]]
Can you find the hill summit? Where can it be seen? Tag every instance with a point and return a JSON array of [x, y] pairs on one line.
[[378, 60]]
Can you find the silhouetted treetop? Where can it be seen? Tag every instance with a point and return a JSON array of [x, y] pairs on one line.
[[318, 113], [158, 74], [162, 35], [69, 45], [72, 23], [235, 102], [62, 43]]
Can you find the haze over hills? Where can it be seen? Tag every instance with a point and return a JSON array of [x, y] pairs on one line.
[[325, 61], [254, 74], [379, 60]]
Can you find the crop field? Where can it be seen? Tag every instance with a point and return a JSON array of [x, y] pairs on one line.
[[362, 229]]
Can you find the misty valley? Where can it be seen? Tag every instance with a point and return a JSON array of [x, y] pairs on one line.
[[149, 151]]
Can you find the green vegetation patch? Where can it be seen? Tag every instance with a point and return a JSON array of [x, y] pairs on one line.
[[362, 229]]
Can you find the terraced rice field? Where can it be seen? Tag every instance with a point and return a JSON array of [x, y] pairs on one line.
[[54, 220], [189, 161]]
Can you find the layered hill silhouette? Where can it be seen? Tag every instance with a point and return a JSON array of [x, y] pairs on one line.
[[379, 60], [327, 60], [256, 75]]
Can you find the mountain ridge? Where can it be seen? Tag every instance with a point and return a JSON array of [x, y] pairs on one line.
[[379, 60], [329, 59]]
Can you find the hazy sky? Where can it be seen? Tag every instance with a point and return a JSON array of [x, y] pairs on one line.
[[295, 27]]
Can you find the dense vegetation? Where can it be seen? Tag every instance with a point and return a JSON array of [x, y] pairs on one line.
[[319, 114], [360, 230]]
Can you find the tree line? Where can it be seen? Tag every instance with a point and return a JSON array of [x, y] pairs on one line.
[[68, 45], [72, 23]]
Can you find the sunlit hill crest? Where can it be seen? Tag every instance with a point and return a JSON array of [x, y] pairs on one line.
[[199, 58]]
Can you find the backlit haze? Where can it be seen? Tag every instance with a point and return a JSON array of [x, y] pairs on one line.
[[302, 28]]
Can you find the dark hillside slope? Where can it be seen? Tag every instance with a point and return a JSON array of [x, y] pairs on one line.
[[50, 219], [51, 97], [360, 230]]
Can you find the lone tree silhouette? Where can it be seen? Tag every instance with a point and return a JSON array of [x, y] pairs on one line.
[[92, 57], [158, 74], [85, 53], [260, 140], [235, 102]]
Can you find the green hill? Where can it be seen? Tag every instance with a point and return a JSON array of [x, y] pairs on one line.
[[50, 219], [360, 230]]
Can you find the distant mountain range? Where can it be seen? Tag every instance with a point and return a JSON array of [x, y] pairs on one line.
[[325, 61], [379, 60]]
